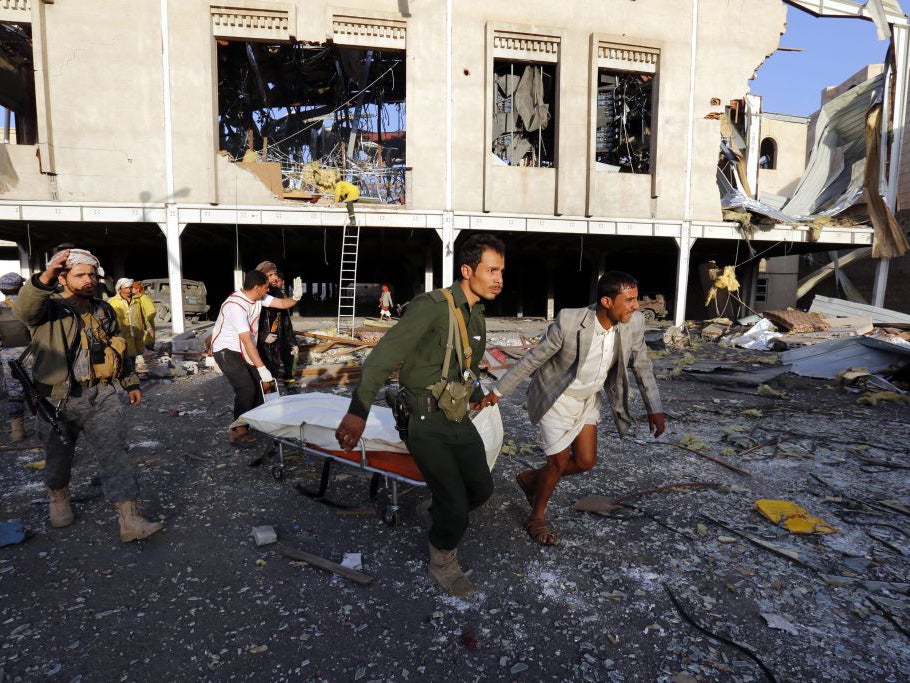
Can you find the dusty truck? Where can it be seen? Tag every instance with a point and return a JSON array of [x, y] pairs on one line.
[[653, 308], [194, 298]]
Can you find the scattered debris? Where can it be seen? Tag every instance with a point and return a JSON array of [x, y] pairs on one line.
[[322, 563], [793, 517], [263, 535], [602, 505]]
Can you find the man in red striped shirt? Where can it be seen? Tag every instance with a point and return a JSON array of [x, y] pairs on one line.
[[234, 345]]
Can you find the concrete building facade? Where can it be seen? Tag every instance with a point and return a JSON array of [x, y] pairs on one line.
[[130, 118]]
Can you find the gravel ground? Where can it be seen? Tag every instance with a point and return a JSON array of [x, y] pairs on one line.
[[200, 601]]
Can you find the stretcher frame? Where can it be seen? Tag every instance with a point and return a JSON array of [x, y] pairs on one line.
[[388, 513]]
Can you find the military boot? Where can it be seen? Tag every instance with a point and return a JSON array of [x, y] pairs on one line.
[[446, 571], [133, 525], [17, 429], [59, 510]]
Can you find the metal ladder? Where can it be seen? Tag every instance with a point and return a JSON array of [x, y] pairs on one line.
[[347, 280]]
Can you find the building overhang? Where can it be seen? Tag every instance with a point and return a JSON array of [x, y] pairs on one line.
[[292, 216]]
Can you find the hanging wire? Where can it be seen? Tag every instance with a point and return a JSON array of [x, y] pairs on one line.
[[340, 106], [581, 250]]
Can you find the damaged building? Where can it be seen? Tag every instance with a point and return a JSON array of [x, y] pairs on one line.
[[198, 139]]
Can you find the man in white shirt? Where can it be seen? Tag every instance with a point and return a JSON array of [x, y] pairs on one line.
[[584, 350], [234, 345]]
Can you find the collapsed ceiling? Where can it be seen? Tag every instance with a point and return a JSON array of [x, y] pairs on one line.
[[324, 112]]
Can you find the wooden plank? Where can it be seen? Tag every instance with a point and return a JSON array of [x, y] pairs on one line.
[[322, 563], [339, 340]]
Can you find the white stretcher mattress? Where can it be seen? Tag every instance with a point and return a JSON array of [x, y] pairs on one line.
[[321, 412]]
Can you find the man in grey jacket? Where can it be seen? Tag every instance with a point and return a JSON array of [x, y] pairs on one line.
[[584, 350]]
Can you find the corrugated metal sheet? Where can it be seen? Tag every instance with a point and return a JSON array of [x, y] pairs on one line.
[[833, 179], [830, 306], [828, 359]]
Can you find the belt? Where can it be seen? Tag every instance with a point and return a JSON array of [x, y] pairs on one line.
[[423, 404], [88, 383]]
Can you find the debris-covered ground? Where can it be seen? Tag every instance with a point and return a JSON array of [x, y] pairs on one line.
[[621, 597]]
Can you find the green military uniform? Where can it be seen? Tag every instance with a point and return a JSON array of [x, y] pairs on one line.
[[450, 455]]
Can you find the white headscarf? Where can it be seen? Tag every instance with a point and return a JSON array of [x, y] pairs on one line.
[[82, 256]]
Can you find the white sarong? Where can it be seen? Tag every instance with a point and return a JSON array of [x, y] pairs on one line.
[[564, 421]]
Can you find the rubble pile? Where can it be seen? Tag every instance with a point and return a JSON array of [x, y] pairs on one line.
[[762, 537]]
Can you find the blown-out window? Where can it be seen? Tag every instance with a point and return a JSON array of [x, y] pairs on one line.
[[625, 107]]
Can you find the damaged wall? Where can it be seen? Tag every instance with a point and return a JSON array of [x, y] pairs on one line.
[[789, 134], [104, 97], [733, 39], [107, 122]]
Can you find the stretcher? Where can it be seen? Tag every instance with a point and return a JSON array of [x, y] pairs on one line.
[[306, 423]]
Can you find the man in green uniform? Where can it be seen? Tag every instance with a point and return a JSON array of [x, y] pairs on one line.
[[448, 450]]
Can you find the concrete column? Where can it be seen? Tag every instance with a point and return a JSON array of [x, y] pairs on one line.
[[428, 270], [684, 241], [448, 234], [551, 294], [25, 267], [172, 231]]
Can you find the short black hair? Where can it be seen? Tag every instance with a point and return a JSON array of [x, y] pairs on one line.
[[471, 250], [254, 278], [613, 282]]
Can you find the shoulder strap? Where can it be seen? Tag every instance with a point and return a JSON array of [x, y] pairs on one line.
[[459, 317], [448, 356]]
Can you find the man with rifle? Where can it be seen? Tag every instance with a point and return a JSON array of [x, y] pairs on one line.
[[79, 353]]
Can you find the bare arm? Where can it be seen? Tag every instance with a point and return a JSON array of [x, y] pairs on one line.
[[249, 349]]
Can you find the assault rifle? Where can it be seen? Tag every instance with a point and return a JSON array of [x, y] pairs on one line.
[[38, 404]]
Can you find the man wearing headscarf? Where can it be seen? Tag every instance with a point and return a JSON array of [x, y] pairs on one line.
[[130, 317], [14, 337], [79, 353]]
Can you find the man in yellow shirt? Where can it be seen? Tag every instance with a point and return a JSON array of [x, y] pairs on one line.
[[148, 313], [130, 317]]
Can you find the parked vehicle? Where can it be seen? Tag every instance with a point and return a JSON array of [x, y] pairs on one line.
[[653, 308], [194, 298]]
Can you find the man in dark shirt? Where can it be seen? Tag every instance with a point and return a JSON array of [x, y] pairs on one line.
[[448, 450]]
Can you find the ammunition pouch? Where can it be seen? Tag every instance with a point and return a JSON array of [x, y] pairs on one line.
[[107, 364], [453, 398]]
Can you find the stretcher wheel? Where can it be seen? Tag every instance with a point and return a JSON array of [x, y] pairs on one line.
[[389, 515], [277, 472]]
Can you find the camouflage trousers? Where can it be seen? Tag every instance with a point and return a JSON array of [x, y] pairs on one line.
[[98, 414], [15, 407]]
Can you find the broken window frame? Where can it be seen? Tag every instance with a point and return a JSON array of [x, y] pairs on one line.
[[517, 43], [17, 49], [626, 60], [540, 78], [622, 156], [378, 170]]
